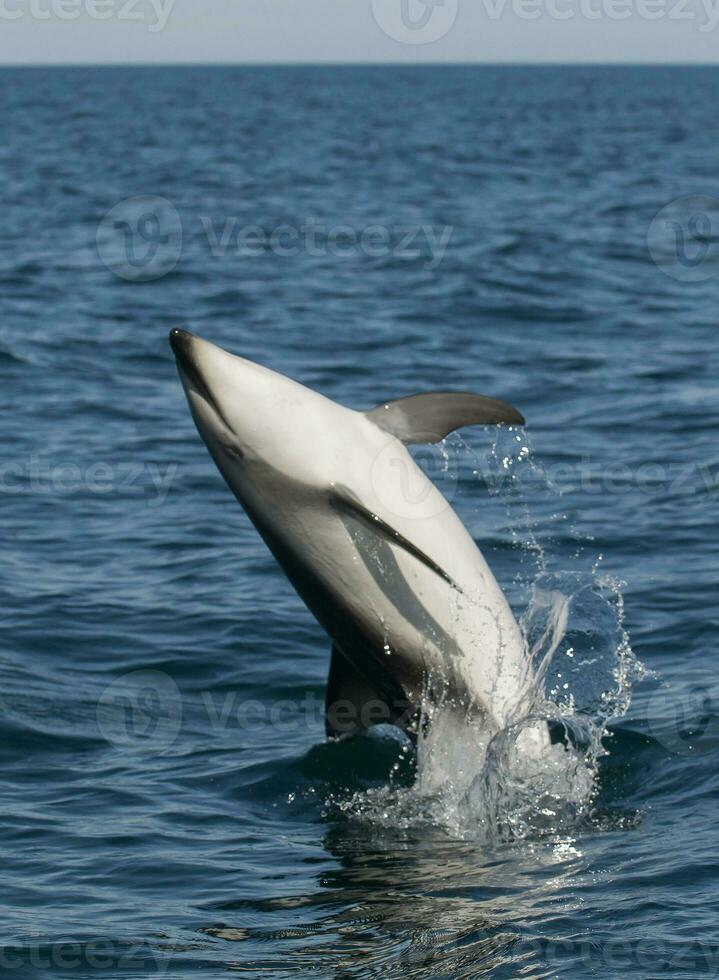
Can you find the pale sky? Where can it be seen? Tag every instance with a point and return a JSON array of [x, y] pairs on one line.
[[414, 31]]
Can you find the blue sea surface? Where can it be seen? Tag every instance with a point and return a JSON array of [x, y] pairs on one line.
[[168, 803]]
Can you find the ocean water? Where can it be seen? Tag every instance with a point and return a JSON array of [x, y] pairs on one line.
[[168, 803]]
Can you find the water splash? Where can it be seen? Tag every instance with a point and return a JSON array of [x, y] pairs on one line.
[[537, 776]]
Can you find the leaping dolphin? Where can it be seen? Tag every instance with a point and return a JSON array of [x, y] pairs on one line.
[[410, 605]]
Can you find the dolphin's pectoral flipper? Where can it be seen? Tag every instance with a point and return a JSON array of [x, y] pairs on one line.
[[344, 501], [432, 416], [353, 705]]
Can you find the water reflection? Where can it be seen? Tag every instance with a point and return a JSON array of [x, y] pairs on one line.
[[417, 905]]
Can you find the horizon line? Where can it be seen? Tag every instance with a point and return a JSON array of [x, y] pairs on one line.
[[361, 64]]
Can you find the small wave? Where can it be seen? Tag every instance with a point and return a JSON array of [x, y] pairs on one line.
[[10, 357]]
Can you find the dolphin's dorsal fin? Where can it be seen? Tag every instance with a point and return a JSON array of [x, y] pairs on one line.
[[432, 416], [347, 502]]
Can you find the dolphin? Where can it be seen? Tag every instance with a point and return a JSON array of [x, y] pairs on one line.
[[411, 607]]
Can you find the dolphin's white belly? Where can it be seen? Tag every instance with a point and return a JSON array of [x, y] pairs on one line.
[[468, 639], [464, 637]]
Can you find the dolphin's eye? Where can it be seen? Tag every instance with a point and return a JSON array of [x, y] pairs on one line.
[[233, 451]]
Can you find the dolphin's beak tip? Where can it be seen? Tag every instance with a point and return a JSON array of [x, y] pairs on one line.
[[179, 340]]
